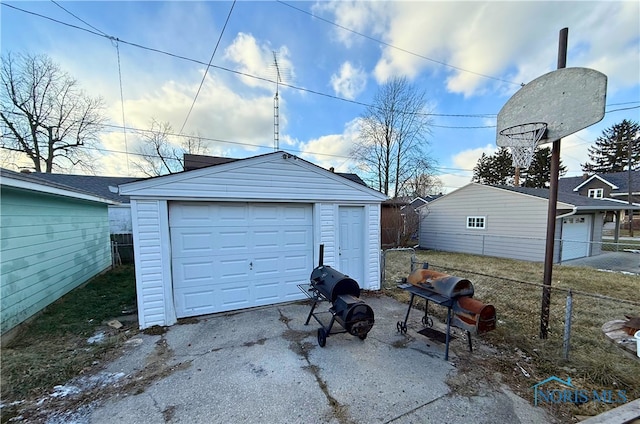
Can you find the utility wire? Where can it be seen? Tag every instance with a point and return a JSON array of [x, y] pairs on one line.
[[115, 44], [239, 72], [207, 68], [398, 48]]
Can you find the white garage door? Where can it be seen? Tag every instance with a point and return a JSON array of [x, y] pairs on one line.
[[576, 234], [228, 256]]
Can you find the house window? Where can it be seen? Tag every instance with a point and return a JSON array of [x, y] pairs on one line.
[[596, 193], [477, 222]]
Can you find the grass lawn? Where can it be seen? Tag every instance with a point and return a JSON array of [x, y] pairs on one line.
[[594, 363], [54, 348]]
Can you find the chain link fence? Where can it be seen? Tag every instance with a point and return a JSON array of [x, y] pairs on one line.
[[121, 249], [575, 339]]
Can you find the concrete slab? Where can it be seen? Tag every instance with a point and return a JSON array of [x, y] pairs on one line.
[[264, 365]]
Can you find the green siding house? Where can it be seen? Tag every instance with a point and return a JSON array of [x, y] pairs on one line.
[[53, 238]]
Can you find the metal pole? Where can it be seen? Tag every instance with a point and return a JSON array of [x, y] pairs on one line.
[[567, 325], [553, 199], [630, 198]]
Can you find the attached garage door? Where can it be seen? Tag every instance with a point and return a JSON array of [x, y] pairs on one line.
[[228, 256], [576, 234]]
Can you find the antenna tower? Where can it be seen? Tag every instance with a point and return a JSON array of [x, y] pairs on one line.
[[276, 107]]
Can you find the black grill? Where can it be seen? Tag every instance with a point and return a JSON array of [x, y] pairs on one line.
[[352, 313]]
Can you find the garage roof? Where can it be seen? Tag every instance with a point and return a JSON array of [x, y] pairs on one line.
[[277, 176]]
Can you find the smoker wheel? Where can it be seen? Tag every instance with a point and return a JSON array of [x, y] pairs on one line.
[[427, 321], [322, 337]]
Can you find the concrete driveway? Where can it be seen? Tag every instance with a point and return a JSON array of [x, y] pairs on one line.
[[265, 366]]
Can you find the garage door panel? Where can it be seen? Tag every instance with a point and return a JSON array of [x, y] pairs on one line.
[[231, 214], [232, 241], [266, 239], [234, 297], [195, 302], [233, 269], [193, 272], [190, 242], [247, 255]]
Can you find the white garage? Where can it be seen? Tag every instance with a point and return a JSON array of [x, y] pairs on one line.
[[245, 234]]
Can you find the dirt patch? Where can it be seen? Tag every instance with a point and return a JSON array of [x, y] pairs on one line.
[[78, 397]]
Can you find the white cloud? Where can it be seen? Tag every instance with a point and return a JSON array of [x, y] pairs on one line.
[[332, 150], [493, 39], [350, 82], [366, 17], [258, 59], [464, 162]]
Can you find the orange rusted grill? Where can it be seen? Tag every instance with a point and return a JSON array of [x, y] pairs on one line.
[[474, 316], [456, 294]]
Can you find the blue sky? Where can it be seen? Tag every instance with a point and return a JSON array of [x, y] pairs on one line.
[[468, 57]]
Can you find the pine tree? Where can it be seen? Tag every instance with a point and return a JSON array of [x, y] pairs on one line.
[[611, 150], [538, 175], [496, 169]]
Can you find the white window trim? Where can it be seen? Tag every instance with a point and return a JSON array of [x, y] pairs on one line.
[[476, 220], [595, 193]]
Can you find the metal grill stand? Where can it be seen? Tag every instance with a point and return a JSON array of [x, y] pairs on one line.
[[325, 330], [438, 299]]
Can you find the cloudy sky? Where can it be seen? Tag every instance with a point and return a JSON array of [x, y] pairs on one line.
[[468, 57]]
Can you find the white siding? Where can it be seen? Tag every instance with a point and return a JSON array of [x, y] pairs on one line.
[[327, 213], [372, 241], [268, 178], [153, 286]]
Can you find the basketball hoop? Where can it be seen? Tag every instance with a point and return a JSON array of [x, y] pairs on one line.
[[522, 141]]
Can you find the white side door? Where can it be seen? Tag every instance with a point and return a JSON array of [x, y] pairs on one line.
[[351, 242]]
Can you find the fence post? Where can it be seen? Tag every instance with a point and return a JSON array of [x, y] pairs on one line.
[[567, 326]]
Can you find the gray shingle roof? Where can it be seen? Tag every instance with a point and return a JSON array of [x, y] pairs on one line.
[[618, 179], [96, 185], [581, 202]]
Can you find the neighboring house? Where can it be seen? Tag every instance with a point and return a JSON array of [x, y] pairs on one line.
[[105, 187], [615, 185], [246, 233], [511, 222], [53, 239]]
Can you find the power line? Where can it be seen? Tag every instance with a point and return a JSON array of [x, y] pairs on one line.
[[244, 74], [399, 48], [115, 44], [206, 70]]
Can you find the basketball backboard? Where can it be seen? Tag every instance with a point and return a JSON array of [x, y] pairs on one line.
[[567, 100]]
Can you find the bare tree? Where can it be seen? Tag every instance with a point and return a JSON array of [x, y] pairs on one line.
[[422, 184], [393, 136], [160, 155], [45, 115]]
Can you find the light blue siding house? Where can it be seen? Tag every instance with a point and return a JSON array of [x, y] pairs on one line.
[[53, 238]]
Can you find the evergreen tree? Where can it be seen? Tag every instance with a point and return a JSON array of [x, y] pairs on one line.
[[496, 169], [610, 152], [538, 175]]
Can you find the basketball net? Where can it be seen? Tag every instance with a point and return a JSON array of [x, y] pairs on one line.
[[522, 141]]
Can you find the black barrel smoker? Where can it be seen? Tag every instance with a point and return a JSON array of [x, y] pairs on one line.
[[352, 313]]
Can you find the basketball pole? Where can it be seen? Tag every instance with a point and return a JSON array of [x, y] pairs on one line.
[[552, 209]]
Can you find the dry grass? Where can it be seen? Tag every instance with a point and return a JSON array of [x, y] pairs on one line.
[[594, 363]]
